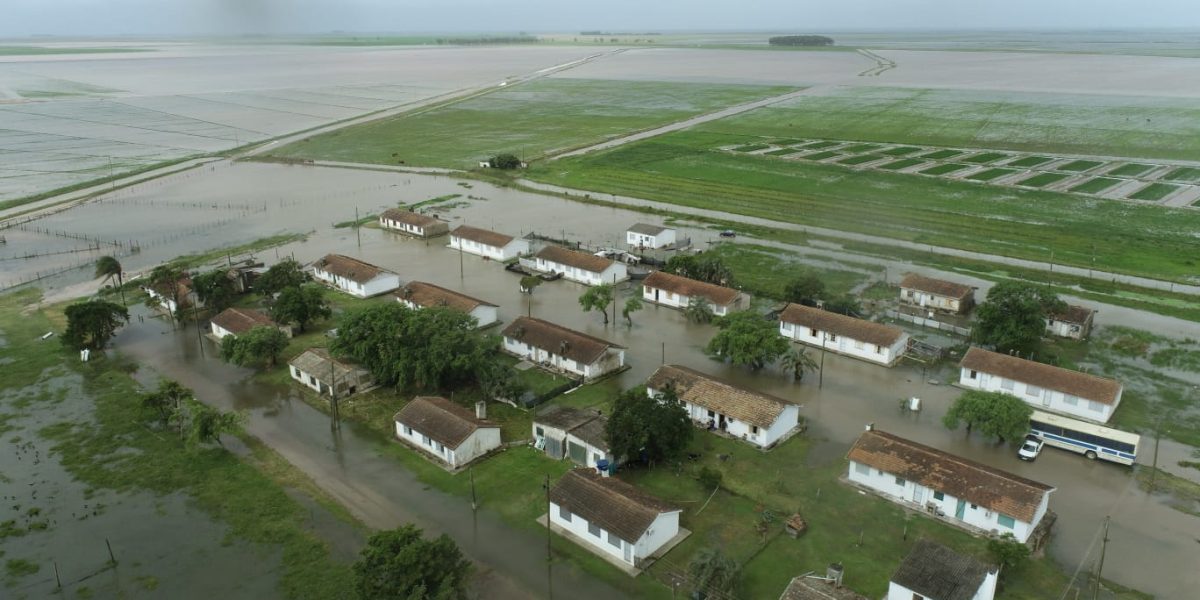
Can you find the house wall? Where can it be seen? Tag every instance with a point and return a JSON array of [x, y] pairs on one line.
[[414, 230], [1040, 398], [613, 360], [614, 273], [382, 284], [1074, 331], [307, 379], [765, 436], [600, 545], [915, 494], [641, 240], [219, 332], [673, 300], [482, 441], [662, 530], [486, 315], [986, 591], [511, 250], [930, 300], [883, 355], [590, 457]]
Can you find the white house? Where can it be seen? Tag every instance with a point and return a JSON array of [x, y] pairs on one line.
[[574, 433], [236, 321], [643, 235], [760, 419], [411, 223], [932, 571], [677, 292], [488, 244], [873, 342], [1074, 323], [965, 493], [556, 347], [446, 431], [612, 518], [166, 298], [812, 587], [354, 276], [418, 294], [1042, 386], [579, 266], [936, 294], [316, 369]]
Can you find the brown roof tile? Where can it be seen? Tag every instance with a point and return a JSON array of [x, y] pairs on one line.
[[991, 488], [574, 258], [441, 420], [550, 337], [241, 320], [483, 236], [1083, 385], [1074, 314], [614, 505], [349, 268], [858, 329], [426, 295], [411, 218], [318, 363], [648, 229], [719, 295], [803, 588], [940, 287], [587, 425], [714, 394], [937, 572]]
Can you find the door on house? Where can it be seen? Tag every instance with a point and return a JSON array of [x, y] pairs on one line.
[[656, 295], [628, 551], [722, 423], [961, 510], [918, 494]]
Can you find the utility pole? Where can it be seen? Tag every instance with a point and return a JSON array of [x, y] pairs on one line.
[[196, 318], [1100, 567], [821, 370], [1157, 438], [664, 353], [474, 502], [333, 404], [549, 577]]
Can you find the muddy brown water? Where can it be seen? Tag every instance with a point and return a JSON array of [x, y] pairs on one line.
[[347, 464]]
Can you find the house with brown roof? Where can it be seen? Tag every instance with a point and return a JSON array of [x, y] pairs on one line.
[[932, 571], [574, 433], [446, 431], [411, 223], [965, 493], [326, 375], [353, 276], [418, 294], [936, 294], [761, 419], [556, 347], [487, 243], [677, 291], [581, 267], [236, 321], [1074, 323], [1045, 387], [813, 588], [645, 235], [615, 520], [173, 300], [870, 341]]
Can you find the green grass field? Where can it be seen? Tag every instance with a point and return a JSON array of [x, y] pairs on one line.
[[1184, 174], [859, 148], [903, 163], [1130, 170], [860, 159], [820, 155], [1042, 179], [1078, 166], [900, 151], [685, 168], [990, 174], [1154, 191], [945, 168], [1032, 122], [984, 158], [1029, 161], [751, 147], [1095, 185], [941, 154], [819, 145], [781, 152], [527, 120]]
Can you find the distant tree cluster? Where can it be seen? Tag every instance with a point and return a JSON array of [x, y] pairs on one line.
[[800, 40], [506, 162], [809, 289], [1013, 317], [702, 267], [479, 41]]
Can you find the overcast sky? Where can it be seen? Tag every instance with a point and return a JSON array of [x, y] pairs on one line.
[[109, 17]]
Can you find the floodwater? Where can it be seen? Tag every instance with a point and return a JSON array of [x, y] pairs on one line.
[[382, 492]]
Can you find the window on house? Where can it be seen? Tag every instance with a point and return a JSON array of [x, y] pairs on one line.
[[425, 440], [973, 507], [812, 332], [407, 430], [939, 496], [564, 514], [594, 529], [832, 337], [862, 469], [900, 481], [1006, 521], [878, 349], [1007, 384], [614, 540], [754, 429], [1070, 400], [1033, 391], [1095, 406], [538, 431], [973, 375], [858, 345]]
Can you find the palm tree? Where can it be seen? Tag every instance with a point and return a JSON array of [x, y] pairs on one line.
[[797, 362], [109, 267]]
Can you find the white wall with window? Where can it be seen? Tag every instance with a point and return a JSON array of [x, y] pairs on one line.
[[598, 540], [883, 355], [1038, 397]]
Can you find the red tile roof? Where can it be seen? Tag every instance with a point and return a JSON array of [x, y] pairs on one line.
[[938, 287], [574, 258], [1083, 385], [857, 329], [719, 295], [610, 503]]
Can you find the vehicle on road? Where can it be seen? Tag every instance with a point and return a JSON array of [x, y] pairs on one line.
[[1030, 448], [728, 233], [1089, 439]]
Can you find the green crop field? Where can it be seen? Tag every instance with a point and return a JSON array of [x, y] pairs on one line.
[[530, 120], [944, 169], [941, 154], [1131, 126], [781, 152], [901, 151], [990, 174], [1154, 191], [686, 168], [1043, 179], [1096, 185], [859, 148], [984, 158], [1184, 174], [751, 147], [1079, 165], [860, 159], [821, 155], [820, 144], [1029, 161], [1130, 170], [903, 163]]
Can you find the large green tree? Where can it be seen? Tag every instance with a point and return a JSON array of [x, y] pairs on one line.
[[209, 423], [92, 324], [402, 564], [703, 267], [282, 275], [992, 413], [712, 574], [166, 279], [261, 345], [1013, 317], [698, 310], [110, 268], [215, 289], [653, 428], [632, 305], [597, 298], [806, 288], [167, 398], [746, 338], [301, 305]]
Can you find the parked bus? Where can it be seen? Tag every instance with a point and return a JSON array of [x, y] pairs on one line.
[[1089, 439]]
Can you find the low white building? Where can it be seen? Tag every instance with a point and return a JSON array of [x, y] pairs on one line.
[[1042, 386], [574, 433], [932, 571], [411, 223], [644, 235], [236, 321], [166, 297], [676, 291], [418, 294], [446, 431], [761, 419], [963, 492], [872, 342], [612, 518], [486, 243], [354, 276], [578, 266], [1074, 323], [936, 294], [556, 347], [323, 374]]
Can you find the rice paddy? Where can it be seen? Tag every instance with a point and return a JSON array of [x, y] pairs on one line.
[[1154, 192], [1079, 166], [860, 159], [1042, 179], [821, 155], [941, 154], [990, 174]]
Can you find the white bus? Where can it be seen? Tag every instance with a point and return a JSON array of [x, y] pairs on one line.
[[1089, 439]]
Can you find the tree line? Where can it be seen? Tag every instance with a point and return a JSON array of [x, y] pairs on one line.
[[800, 40]]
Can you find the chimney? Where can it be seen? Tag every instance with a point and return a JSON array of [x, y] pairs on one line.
[[870, 427], [481, 410]]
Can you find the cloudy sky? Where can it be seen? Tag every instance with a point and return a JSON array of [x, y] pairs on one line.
[[109, 17]]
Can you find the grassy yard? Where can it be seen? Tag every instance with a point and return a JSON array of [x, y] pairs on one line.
[[765, 272], [528, 120]]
